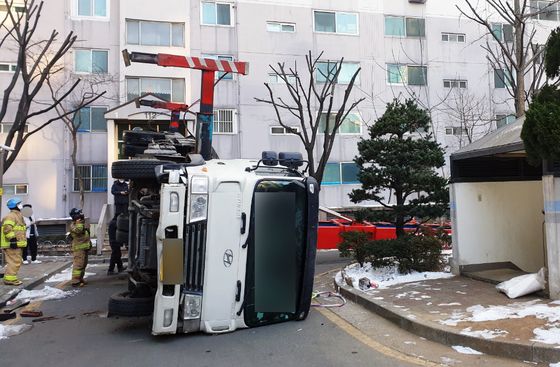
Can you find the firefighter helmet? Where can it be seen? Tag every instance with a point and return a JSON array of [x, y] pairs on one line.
[[13, 203]]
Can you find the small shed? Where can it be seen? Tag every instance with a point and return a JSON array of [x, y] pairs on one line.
[[504, 211]]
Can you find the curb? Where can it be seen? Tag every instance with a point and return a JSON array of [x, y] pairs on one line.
[[35, 282], [534, 352]]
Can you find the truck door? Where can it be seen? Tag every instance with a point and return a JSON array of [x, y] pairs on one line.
[[222, 258]]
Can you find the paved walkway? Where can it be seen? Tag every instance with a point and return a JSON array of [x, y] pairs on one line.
[[465, 312]]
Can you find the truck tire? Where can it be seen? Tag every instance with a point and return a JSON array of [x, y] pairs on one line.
[[142, 137], [136, 168], [121, 304]]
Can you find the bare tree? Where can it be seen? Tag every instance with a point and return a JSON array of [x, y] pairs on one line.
[[37, 58], [91, 89], [312, 105], [513, 48], [469, 113]]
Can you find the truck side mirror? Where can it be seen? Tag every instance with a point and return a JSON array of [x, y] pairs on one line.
[[269, 158]]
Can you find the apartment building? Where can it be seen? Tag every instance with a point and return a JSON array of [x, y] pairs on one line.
[[404, 48]]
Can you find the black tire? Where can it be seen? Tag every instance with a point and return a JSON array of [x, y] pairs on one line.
[[121, 304], [121, 236], [136, 168], [122, 222], [142, 137], [132, 150]]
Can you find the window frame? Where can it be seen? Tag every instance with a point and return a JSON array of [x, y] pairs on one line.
[[282, 24], [140, 21], [82, 130], [91, 50], [405, 75], [105, 17], [453, 34], [507, 82], [334, 62], [91, 178], [336, 22], [231, 15], [235, 129], [404, 18], [286, 132], [278, 80], [320, 132], [538, 9], [10, 124], [452, 131], [11, 67], [340, 175], [15, 190], [502, 37], [505, 118], [457, 81], [140, 92]]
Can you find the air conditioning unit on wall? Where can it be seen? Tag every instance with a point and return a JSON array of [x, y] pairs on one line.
[[417, 1]]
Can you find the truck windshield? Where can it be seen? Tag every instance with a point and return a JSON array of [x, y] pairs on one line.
[[276, 250]]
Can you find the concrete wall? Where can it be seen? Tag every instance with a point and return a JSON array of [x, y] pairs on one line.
[[497, 222]]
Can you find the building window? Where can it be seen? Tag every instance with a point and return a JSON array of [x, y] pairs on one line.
[[502, 78], [503, 120], [277, 79], [139, 32], [91, 119], [407, 74], [453, 37], [335, 22], [5, 127], [225, 121], [91, 8], [91, 61], [405, 27], [94, 177], [280, 27], [6, 67], [172, 90], [18, 7], [326, 70], [352, 124], [546, 10], [214, 13], [281, 130], [340, 173], [455, 130], [15, 189], [502, 32], [454, 83], [228, 76]]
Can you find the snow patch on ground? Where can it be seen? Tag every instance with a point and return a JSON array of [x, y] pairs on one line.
[[386, 276], [45, 294], [465, 350], [557, 364], [65, 275], [11, 330], [485, 334], [550, 313]]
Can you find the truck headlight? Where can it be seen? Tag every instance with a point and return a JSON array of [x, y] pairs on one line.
[[199, 207], [199, 185], [192, 306]]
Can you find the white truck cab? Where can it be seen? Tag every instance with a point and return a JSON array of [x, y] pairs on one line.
[[218, 245]]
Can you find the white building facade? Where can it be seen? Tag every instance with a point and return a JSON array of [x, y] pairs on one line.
[[404, 48]]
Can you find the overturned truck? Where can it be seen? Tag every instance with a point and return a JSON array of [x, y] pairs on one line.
[[215, 245]]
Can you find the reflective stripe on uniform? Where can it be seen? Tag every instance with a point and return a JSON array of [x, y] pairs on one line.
[[10, 278], [81, 246]]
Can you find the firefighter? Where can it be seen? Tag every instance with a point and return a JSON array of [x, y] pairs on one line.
[[81, 244], [12, 241]]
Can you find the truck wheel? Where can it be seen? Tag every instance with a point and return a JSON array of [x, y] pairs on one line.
[[121, 304], [136, 168]]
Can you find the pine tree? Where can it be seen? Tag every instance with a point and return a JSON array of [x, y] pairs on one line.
[[397, 167]]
